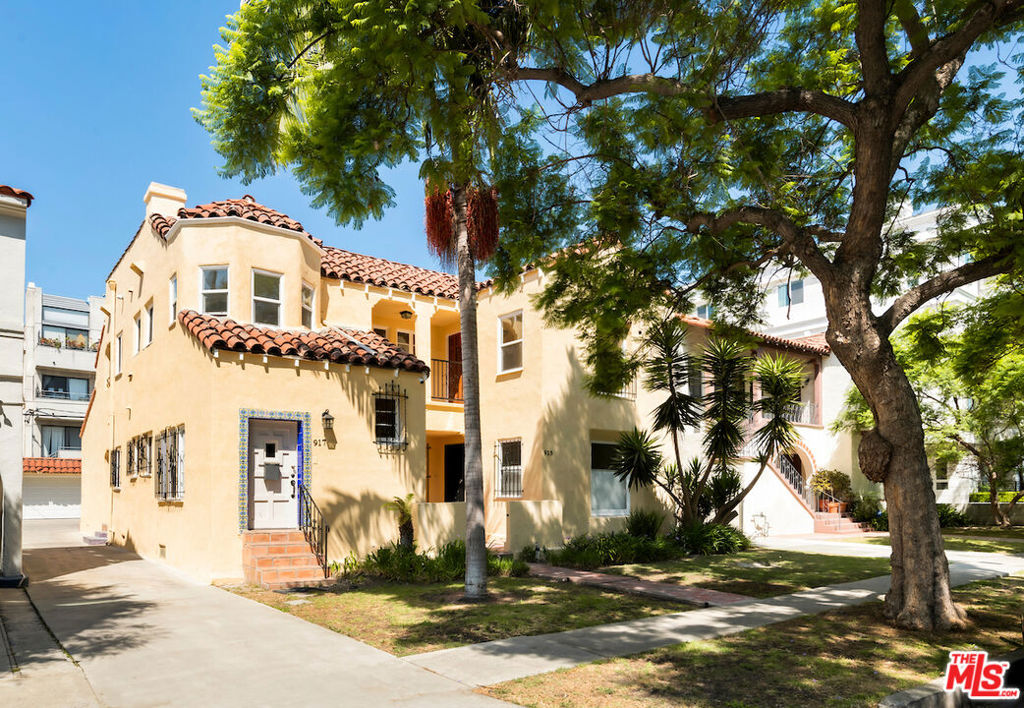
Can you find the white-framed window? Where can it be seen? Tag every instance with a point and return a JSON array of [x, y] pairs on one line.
[[508, 456], [266, 297], [406, 341], [705, 312], [172, 299], [117, 355], [307, 306], [510, 342], [115, 468], [791, 293], [170, 464], [609, 496], [149, 323], [213, 290], [138, 333]]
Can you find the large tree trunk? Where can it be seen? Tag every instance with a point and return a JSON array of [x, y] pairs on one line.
[[998, 516], [919, 596], [476, 541]]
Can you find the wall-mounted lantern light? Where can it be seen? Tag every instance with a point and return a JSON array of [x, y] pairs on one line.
[[328, 420], [405, 314]]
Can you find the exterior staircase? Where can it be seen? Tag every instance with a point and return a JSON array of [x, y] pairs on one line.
[[279, 559], [834, 522]]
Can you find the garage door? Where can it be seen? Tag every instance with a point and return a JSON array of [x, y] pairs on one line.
[[48, 496]]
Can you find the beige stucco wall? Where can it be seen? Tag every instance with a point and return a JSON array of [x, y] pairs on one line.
[[176, 381]]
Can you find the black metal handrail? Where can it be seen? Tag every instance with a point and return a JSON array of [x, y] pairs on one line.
[[311, 521], [446, 380]]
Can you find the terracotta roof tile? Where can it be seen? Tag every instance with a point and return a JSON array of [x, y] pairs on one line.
[[357, 268], [50, 465], [817, 340], [19, 193], [335, 344], [161, 224], [246, 208], [804, 345]]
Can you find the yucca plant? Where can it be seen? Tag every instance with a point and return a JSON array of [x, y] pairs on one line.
[[708, 485], [402, 507]]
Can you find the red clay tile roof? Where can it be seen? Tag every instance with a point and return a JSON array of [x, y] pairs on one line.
[[246, 208], [50, 465], [817, 340], [357, 268], [335, 344], [161, 224], [804, 345], [19, 193]]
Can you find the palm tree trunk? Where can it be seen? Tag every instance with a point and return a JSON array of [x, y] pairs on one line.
[[476, 541]]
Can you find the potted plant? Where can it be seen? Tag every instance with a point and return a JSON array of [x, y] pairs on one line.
[[836, 489]]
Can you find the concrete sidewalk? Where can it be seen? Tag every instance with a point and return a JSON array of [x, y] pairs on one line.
[[146, 636], [504, 660]]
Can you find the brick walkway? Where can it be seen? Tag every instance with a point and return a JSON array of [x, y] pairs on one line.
[[623, 583]]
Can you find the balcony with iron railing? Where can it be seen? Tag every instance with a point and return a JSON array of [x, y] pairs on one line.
[[62, 395], [446, 380]]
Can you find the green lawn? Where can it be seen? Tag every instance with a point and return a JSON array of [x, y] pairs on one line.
[[994, 531], [410, 619], [849, 657], [954, 542], [759, 572]]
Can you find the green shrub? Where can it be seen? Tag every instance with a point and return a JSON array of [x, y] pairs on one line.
[[402, 564], [881, 522], [644, 524], [950, 517], [1004, 497], [588, 552], [506, 567], [529, 552], [711, 539], [864, 510], [832, 482]]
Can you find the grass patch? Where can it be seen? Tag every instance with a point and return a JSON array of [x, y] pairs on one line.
[[955, 542], [410, 619], [994, 531], [848, 657], [758, 572]]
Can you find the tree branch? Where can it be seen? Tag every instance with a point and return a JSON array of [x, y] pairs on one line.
[[944, 50], [944, 282], [797, 240], [603, 88], [786, 100], [870, 36]]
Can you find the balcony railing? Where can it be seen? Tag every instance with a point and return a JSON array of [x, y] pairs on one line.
[[628, 391], [63, 395], [446, 380], [806, 413], [74, 343]]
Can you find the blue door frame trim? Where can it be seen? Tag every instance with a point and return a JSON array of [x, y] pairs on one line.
[[245, 415]]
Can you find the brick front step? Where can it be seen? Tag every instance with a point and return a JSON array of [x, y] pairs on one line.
[[279, 559], [825, 522]]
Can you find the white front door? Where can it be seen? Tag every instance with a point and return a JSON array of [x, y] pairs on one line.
[[273, 465]]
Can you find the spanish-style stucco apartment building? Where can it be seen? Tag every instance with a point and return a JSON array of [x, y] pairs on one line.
[[248, 373]]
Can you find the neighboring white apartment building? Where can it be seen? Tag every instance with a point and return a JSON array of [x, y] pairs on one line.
[[14, 204], [794, 307], [61, 338]]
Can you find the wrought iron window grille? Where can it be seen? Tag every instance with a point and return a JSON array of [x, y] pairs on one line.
[[389, 409], [170, 464]]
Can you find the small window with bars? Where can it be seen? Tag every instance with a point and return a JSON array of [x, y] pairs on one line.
[[509, 462], [143, 455], [170, 464], [389, 417], [115, 468]]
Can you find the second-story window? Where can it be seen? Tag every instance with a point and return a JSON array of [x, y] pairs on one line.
[[172, 298], [406, 341], [149, 323], [791, 293], [266, 298], [510, 355], [138, 333], [214, 296], [117, 355], [307, 306], [705, 312]]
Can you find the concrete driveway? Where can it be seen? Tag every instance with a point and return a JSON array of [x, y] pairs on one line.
[[146, 636]]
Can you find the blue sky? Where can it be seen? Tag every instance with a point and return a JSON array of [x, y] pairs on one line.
[[94, 105]]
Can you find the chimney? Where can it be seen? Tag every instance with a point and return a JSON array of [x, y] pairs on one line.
[[163, 199]]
